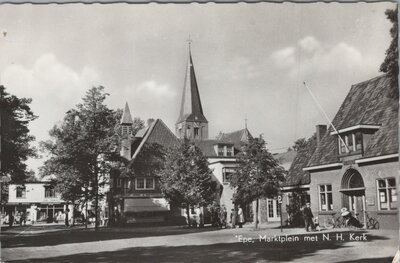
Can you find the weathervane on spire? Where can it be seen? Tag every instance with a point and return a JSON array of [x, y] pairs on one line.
[[245, 121]]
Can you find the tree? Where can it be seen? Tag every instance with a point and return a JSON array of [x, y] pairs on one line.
[[15, 138], [299, 144], [186, 179], [390, 64], [84, 148], [257, 176]]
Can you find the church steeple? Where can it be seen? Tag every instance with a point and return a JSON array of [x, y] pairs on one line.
[[126, 115], [126, 132], [191, 123]]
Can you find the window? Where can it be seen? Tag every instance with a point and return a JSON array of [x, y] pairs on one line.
[[353, 142], [387, 195], [229, 151], [325, 197], [127, 185], [143, 183], [221, 151], [196, 132], [270, 208], [21, 192], [188, 132], [227, 174], [119, 182], [49, 192], [358, 141], [140, 183]]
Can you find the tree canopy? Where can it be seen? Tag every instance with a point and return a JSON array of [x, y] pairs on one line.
[[390, 64], [186, 180], [258, 174], [16, 115], [83, 148]]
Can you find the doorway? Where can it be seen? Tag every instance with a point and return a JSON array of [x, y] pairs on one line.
[[353, 194], [273, 212]]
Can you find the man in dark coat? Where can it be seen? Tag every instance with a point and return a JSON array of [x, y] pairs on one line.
[[308, 217]]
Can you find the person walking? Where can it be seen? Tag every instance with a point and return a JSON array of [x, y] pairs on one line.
[[240, 217], [233, 218], [66, 217], [22, 218], [308, 217], [223, 215], [10, 219]]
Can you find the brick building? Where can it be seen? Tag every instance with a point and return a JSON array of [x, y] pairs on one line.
[[135, 192], [356, 165]]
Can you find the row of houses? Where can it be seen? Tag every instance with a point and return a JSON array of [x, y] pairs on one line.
[[351, 164]]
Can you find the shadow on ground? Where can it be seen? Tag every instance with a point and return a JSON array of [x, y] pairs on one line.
[[33, 237], [224, 252], [370, 260]]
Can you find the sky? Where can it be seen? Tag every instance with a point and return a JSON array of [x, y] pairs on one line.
[[250, 60]]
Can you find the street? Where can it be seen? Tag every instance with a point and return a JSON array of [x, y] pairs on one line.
[[180, 244]]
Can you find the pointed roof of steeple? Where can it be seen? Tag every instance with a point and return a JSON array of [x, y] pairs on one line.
[[126, 115], [191, 109]]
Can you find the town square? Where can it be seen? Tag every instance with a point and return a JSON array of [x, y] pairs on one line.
[[233, 132]]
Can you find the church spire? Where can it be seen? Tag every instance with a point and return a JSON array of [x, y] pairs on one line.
[[126, 115], [191, 122], [191, 108]]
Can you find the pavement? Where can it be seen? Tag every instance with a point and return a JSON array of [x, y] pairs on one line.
[[181, 244]]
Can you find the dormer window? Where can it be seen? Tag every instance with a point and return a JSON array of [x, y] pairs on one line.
[[355, 137], [354, 142]]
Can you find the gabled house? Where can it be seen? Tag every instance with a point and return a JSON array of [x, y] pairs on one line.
[[136, 192], [222, 154], [355, 165], [38, 200]]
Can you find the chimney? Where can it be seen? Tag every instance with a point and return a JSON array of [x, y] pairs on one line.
[[321, 130], [149, 122]]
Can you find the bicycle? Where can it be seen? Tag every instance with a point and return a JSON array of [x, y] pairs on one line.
[[335, 222], [372, 223]]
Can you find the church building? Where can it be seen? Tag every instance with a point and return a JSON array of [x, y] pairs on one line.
[[221, 151], [135, 193]]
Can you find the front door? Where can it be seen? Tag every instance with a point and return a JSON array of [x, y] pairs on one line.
[[357, 206], [273, 210]]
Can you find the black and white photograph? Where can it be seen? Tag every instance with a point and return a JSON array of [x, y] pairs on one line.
[[212, 132]]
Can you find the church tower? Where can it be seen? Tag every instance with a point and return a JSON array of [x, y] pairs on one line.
[[191, 123], [126, 132]]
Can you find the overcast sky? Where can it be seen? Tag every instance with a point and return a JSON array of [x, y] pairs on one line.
[[250, 59]]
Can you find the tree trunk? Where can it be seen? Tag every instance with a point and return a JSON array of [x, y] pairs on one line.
[[188, 215], [256, 216], [73, 213], [96, 195], [86, 214]]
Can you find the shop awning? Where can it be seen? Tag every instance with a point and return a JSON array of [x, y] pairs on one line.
[[146, 205]]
